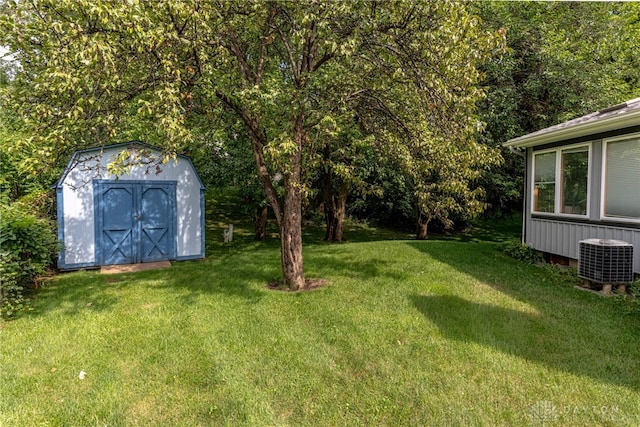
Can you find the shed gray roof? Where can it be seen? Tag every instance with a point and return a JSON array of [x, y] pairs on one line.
[[618, 116]]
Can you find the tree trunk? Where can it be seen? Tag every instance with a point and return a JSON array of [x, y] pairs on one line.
[[260, 223], [288, 213], [291, 234], [291, 222], [422, 225], [291, 244], [335, 207]]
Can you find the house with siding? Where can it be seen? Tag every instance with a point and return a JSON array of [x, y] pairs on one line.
[[582, 181]]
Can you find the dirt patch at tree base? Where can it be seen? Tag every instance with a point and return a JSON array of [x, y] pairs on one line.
[[310, 285]]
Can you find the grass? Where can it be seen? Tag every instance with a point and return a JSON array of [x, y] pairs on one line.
[[443, 332]]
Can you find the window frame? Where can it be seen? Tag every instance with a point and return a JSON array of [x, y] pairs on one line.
[[557, 206], [603, 182]]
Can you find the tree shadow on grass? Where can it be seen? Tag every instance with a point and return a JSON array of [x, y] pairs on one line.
[[75, 293], [240, 269], [526, 335], [485, 230], [569, 331], [78, 292], [324, 265], [321, 259]]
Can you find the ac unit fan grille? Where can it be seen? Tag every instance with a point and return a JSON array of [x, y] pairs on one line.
[[606, 261]]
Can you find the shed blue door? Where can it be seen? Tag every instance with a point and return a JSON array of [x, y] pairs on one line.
[[135, 222]]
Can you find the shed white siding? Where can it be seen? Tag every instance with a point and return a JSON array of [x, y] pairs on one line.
[[77, 210]]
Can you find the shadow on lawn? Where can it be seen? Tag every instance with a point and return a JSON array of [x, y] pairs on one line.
[[346, 266], [240, 269], [75, 293], [227, 273], [495, 230], [571, 331]]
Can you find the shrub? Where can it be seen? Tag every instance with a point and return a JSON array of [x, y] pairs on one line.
[[631, 301], [522, 252], [27, 246], [38, 202]]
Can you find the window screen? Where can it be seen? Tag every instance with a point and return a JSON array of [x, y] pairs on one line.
[[575, 171], [622, 180], [544, 190]]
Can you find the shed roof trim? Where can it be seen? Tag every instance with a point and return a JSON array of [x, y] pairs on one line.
[[130, 144], [616, 117]]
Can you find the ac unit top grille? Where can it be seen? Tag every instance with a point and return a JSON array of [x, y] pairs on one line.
[[606, 261]]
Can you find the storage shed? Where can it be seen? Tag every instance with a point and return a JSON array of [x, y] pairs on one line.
[[150, 211], [582, 181]]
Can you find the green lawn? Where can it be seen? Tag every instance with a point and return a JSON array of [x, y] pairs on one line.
[[443, 332]]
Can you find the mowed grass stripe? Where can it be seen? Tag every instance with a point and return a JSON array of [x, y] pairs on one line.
[[442, 332]]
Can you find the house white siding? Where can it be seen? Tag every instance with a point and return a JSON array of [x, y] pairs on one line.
[[562, 238]]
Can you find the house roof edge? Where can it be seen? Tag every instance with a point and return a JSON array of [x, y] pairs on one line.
[[609, 119]]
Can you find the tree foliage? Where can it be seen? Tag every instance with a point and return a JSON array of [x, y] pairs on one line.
[[563, 60], [399, 76]]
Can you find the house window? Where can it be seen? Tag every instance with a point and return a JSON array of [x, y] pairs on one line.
[[622, 179], [544, 191], [575, 171], [561, 181]]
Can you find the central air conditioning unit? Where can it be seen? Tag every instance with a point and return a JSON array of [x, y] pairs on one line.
[[606, 261]]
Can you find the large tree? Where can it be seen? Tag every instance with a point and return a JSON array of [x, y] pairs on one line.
[[404, 70]]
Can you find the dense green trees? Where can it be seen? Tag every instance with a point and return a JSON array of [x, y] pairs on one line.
[[563, 60]]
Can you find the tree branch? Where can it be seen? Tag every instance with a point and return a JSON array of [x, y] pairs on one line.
[[264, 41], [258, 141], [327, 56]]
